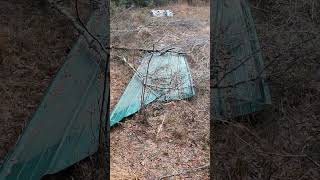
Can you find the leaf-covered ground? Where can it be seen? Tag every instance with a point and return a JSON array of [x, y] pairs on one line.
[[139, 149]]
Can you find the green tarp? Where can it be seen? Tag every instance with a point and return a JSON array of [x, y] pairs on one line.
[[159, 77], [239, 87], [65, 127]]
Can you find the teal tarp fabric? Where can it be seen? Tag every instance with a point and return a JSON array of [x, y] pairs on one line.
[[65, 127], [159, 77], [239, 86]]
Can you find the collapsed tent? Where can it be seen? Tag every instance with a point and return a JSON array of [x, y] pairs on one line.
[[159, 77], [65, 127], [238, 86]]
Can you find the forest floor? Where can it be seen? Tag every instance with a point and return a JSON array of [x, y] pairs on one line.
[[34, 43], [281, 142], [139, 150]]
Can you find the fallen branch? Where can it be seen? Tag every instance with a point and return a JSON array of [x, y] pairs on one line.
[[162, 51]]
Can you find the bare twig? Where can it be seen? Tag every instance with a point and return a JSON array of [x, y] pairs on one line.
[[146, 50], [144, 82], [186, 171], [160, 127], [216, 85], [81, 28]]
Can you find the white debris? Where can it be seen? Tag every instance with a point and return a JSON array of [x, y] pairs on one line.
[[169, 13], [161, 13]]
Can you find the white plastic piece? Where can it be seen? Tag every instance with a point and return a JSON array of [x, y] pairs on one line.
[[169, 13], [161, 13]]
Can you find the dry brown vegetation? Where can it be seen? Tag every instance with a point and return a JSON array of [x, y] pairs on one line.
[[281, 142], [34, 41], [138, 149], [34, 48]]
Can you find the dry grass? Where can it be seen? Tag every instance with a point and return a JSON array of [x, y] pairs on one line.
[[283, 141], [140, 150], [35, 48], [34, 41], [28, 65]]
